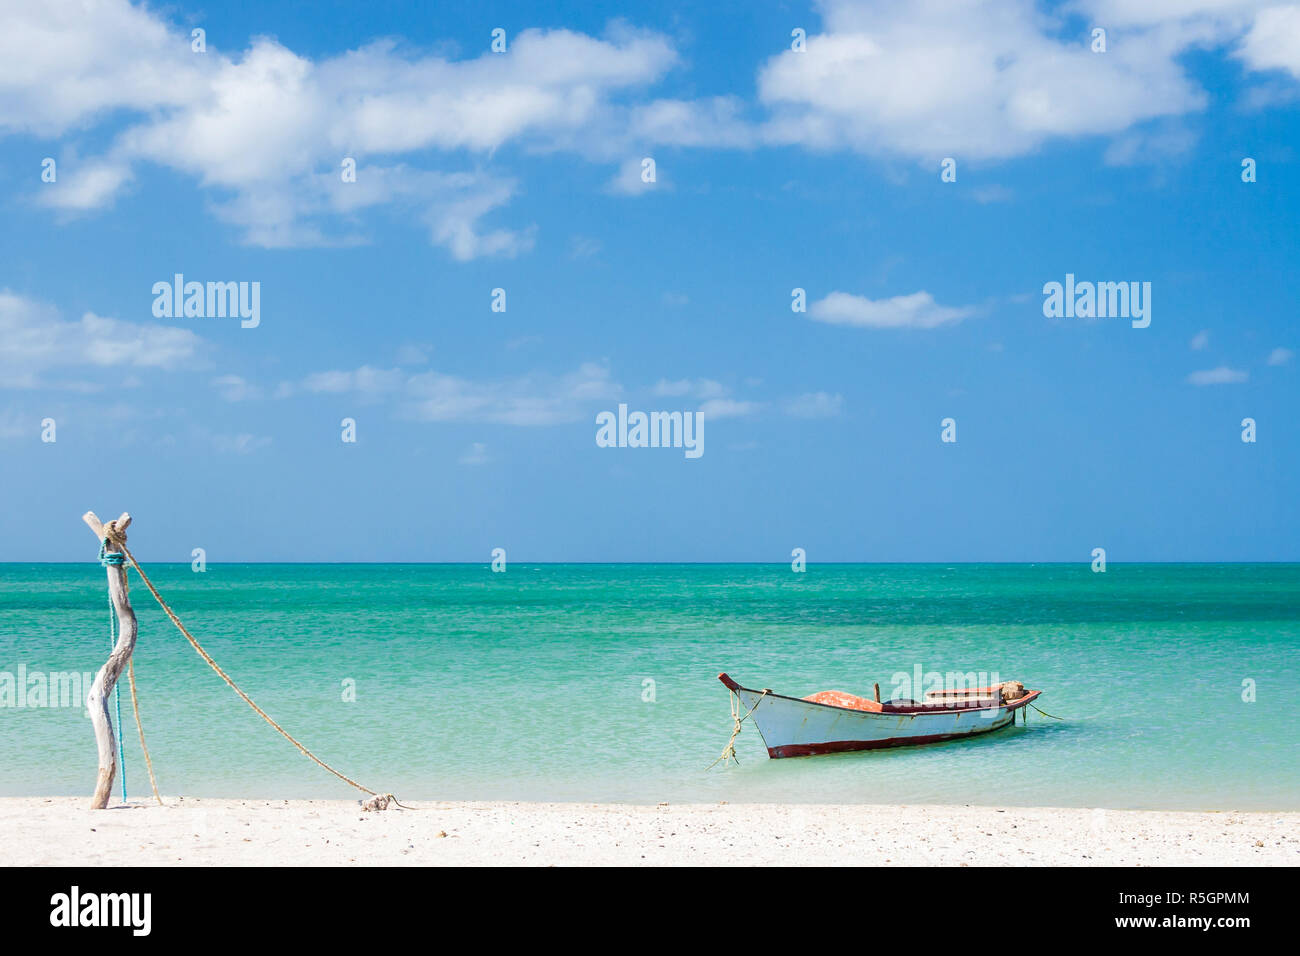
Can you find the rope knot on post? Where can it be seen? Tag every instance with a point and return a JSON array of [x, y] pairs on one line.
[[110, 559]]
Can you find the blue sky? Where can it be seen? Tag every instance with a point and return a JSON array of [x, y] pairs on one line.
[[775, 170]]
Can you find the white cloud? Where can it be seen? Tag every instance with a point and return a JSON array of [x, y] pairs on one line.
[[1223, 375], [433, 396], [414, 354], [991, 194], [815, 405], [716, 122], [266, 130], [366, 381], [476, 454], [1155, 144], [80, 187], [715, 398], [984, 79], [13, 424], [233, 388], [1125, 13], [727, 408], [36, 339], [702, 388], [240, 444], [584, 247], [1280, 356], [915, 311], [1273, 42], [61, 63], [1201, 340], [630, 180], [530, 400]]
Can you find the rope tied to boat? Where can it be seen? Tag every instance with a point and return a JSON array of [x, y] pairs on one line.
[[378, 801], [729, 751], [1045, 713]]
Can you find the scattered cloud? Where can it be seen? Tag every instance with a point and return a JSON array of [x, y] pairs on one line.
[[915, 311], [815, 405], [36, 340], [432, 396], [584, 247], [1200, 341], [1273, 41], [366, 382], [242, 443], [529, 401], [695, 388], [233, 388], [1154, 145], [476, 454], [79, 188], [1280, 356], [991, 194], [414, 354], [716, 400], [1223, 375], [630, 179], [716, 408], [267, 130], [987, 79]]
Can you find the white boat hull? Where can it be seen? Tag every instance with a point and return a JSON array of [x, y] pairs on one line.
[[792, 727]]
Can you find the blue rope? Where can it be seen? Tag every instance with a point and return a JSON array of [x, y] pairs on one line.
[[110, 559], [115, 559]]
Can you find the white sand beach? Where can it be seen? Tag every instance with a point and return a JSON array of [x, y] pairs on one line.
[[219, 832]]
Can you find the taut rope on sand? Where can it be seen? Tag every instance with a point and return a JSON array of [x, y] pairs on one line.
[[378, 801]]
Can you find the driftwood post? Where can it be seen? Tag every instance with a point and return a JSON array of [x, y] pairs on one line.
[[102, 688]]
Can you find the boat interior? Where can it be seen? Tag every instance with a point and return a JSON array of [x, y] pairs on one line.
[[1008, 693]]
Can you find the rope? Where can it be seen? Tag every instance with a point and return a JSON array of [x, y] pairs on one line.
[[1045, 713], [135, 705], [235, 687], [729, 751]]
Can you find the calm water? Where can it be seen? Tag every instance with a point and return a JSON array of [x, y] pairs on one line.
[[530, 684]]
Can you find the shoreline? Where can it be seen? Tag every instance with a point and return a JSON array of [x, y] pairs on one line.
[[190, 831]]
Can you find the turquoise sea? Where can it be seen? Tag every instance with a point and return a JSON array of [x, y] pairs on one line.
[[598, 682]]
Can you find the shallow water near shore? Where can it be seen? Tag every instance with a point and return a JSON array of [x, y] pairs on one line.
[[598, 682]]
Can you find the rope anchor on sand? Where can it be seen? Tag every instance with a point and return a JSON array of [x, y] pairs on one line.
[[113, 534]]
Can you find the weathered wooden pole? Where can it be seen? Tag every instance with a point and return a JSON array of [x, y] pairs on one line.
[[102, 688]]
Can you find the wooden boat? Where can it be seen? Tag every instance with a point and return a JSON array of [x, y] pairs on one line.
[[835, 722]]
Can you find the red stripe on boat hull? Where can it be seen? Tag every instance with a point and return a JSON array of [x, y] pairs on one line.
[[848, 746]]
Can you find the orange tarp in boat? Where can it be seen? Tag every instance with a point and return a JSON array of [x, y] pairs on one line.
[[839, 698]]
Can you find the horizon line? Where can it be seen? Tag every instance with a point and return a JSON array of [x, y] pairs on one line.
[[488, 562]]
